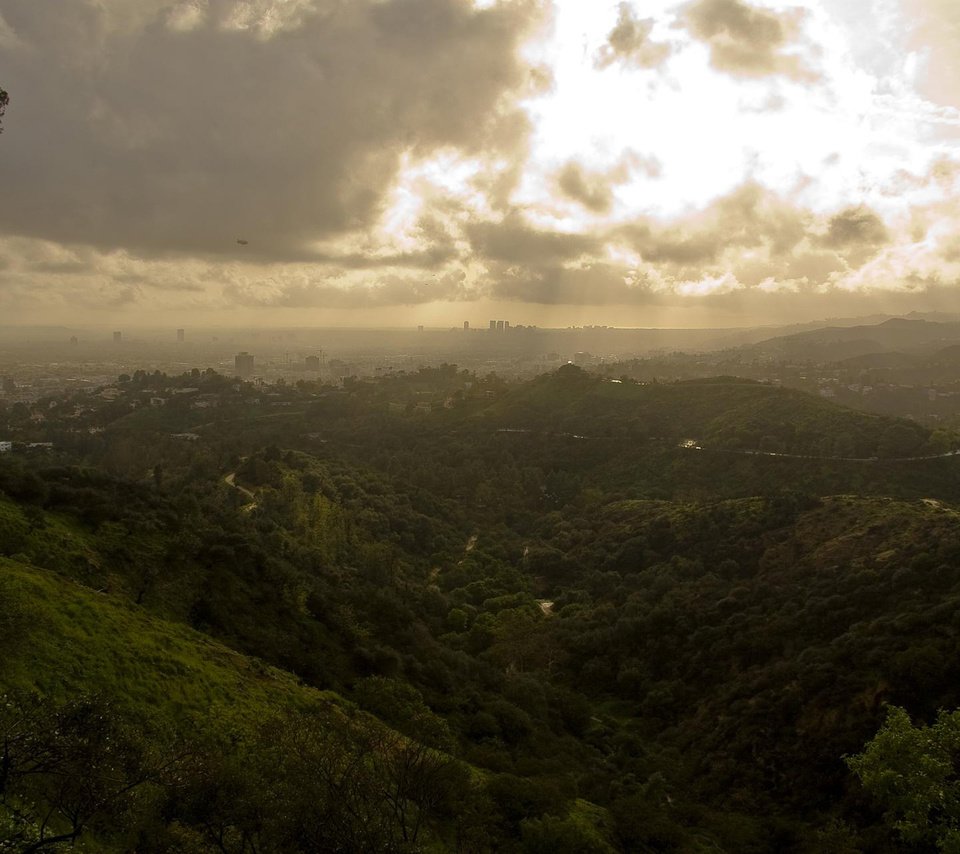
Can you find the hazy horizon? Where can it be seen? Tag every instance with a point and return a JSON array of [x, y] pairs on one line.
[[149, 325]]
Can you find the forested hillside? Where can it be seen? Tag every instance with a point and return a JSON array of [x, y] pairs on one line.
[[443, 612]]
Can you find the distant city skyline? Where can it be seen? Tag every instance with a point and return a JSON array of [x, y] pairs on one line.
[[707, 163]]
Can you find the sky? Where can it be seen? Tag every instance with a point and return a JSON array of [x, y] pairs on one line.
[[402, 162]]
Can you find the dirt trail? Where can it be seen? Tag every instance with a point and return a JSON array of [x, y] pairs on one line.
[[231, 480]]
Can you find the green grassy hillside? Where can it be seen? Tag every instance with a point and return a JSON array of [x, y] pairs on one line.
[[122, 732], [73, 640]]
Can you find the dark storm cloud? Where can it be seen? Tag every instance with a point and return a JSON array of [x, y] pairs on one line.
[[747, 41], [856, 234], [513, 241], [132, 133], [629, 43], [855, 227]]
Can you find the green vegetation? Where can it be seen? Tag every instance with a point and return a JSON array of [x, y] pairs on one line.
[[912, 771], [440, 612], [72, 640]]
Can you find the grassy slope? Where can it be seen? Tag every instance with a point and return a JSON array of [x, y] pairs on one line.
[[78, 640]]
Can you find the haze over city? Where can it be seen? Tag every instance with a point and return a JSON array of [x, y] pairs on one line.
[[288, 162]]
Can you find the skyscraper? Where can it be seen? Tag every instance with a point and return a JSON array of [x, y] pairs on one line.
[[243, 364], [180, 335], [117, 337]]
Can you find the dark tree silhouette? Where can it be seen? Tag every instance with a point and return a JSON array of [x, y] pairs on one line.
[[4, 100]]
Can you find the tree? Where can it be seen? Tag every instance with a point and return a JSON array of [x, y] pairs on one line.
[[571, 834], [419, 785], [67, 769], [912, 771], [4, 100], [898, 440]]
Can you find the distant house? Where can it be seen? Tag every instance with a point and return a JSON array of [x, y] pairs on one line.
[[205, 401], [6, 447]]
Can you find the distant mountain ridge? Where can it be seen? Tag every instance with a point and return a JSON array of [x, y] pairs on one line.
[[845, 342]]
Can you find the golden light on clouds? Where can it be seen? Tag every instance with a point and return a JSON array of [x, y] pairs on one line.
[[713, 161]]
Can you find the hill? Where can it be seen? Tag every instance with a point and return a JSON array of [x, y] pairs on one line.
[[127, 731], [835, 343], [336, 604], [724, 412], [948, 357], [583, 631], [761, 638], [888, 360]]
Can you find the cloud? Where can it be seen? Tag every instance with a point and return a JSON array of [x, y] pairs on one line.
[[591, 283], [751, 239], [513, 241], [176, 128], [594, 189], [932, 27], [749, 218], [748, 41], [629, 43], [386, 290], [392, 153], [856, 234], [743, 252], [855, 226]]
